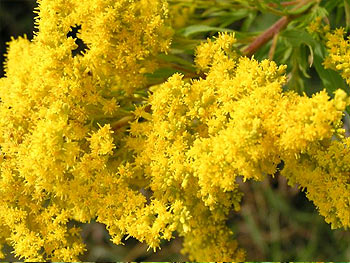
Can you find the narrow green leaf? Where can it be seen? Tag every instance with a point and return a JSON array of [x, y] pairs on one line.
[[175, 59], [195, 29], [302, 9], [248, 21], [330, 5], [347, 13], [298, 37]]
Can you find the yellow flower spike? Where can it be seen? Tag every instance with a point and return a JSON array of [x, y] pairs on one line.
[[197, 139], [101, 142], [339, 53], [50, 100], [340, 99], [235, 123]]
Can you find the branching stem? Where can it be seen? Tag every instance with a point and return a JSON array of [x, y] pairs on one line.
[[266, 36], [269, 33]]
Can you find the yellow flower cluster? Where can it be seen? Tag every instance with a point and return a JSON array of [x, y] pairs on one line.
[[316, 26], [339, 53], [59, 156], [122, 37], [237, 122], [323, 169], [63, 162]]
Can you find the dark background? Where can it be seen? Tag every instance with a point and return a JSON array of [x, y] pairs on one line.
[[16, 19]]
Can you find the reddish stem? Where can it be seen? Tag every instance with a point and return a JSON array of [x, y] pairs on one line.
[[274, 29], [266, 36]]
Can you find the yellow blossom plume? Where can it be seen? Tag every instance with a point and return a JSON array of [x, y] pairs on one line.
[[339, 53], [59, 154], [237, 122], [176, 169]]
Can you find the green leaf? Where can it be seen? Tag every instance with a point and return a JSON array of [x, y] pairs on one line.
[[299, 37], [299, 45], [302, 9], [195, 29], [330, 5], [225, 18], [160, 75], [248, 21], [175, 59], [347, 13]]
